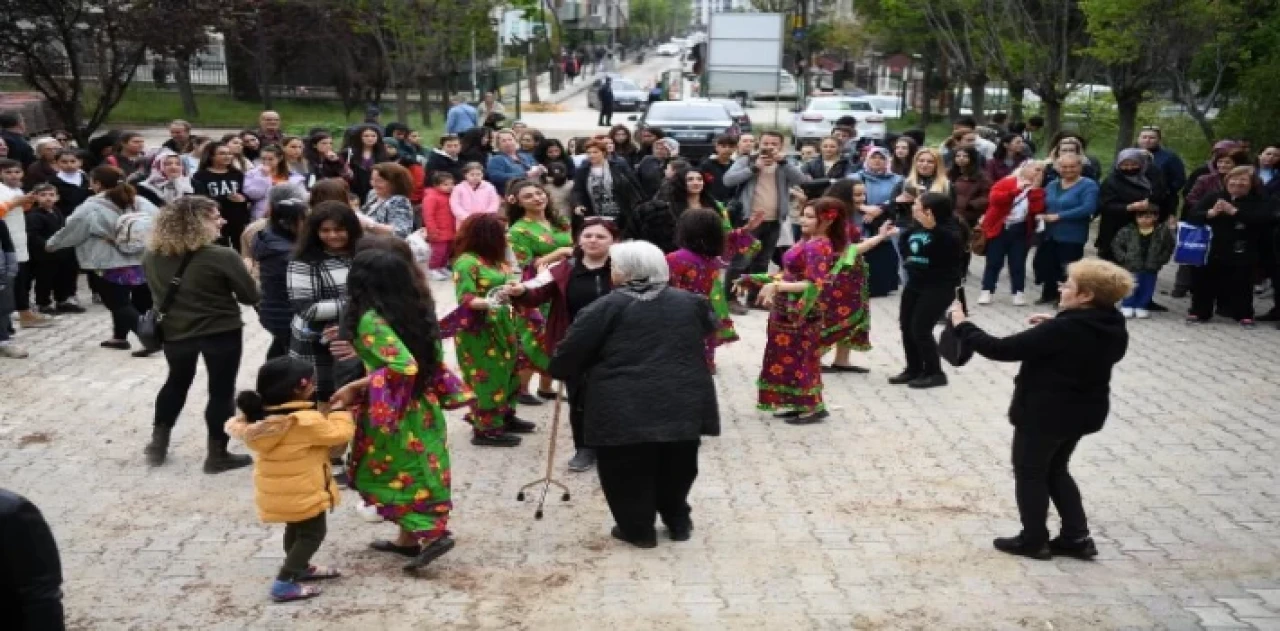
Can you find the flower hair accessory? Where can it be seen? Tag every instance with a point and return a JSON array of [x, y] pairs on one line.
[[829, 214]]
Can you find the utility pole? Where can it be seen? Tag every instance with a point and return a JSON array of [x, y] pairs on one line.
[[475, 87]]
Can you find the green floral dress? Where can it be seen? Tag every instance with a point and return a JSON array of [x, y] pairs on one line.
[[400, 455], [529, 241], [489, 343]]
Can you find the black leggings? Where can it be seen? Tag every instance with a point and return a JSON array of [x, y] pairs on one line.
[[221, 353], [301, 540], [919, 311], [1040, 476], [126, 304]]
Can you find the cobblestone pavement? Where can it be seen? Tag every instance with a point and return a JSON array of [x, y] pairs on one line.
[[881, 518]]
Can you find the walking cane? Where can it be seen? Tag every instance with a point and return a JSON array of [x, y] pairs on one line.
[[547, 481]]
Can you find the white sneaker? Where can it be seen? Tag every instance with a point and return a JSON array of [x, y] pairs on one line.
[[1128, 312], [1019, 299], [984, 298], [13, 351], [1142, 313], [369, 513], [439, 274]]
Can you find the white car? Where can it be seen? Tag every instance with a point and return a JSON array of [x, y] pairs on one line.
[[668, 50], [890, 106], [820, 113], [786, 90]]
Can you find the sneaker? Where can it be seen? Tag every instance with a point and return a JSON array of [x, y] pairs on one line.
[[1141, 314], [439, 274], [13, 351], [928, 381], [1019, 299], [33, 320], [903, 378], [70, 306], [984, 298], [582, 460], [369, 513], [1016, 545], [1127, 312], [1083, 549]]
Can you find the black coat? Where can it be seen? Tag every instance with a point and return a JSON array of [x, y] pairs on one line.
[[1236, 238], [30, 570], [1064, 385], [440, 161], [70, 197], [817, 170], [272, 252], [42, 224], [646, 372], [1114, 196], [626, 191], [605, 96], [651, 171]]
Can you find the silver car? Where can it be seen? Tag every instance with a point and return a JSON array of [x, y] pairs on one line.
[[694, 124], [626, 94]]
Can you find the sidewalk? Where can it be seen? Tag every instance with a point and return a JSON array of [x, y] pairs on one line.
[[566, 92]]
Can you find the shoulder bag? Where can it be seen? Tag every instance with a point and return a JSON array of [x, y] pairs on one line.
[[149, 330]]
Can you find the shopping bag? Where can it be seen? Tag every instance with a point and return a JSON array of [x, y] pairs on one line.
[[1193, 244]]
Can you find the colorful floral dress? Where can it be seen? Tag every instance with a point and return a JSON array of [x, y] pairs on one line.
[[529, 241], [843, 301], [400, 457], [704, 275], [488, 343], [791, 376]]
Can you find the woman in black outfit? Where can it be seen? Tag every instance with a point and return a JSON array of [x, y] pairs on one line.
[[220, 181], [550, 151], [650, 397], [323, 161], [362, 149], [576, 283], [1062, 393], [477, 146], [272, 249], [1239, 216], [203, 321], [932, 252]]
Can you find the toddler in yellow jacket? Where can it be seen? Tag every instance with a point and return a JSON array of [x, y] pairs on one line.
[[291, 477]]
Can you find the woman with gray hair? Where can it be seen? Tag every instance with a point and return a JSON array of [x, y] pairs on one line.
[[650, 397]]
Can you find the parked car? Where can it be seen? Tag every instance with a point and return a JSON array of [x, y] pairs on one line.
[[668, 50], [818, 117], [890, 106], [738, 113], [693, 123], [626, 94]]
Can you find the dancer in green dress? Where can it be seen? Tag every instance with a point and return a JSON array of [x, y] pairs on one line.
[[491, 337], [400, 458], [539, 237]]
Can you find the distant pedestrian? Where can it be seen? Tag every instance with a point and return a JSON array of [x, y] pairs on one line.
[[461, 117], [605, 96]]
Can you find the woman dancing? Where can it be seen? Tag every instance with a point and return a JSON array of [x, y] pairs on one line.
[[791, 377], [843, 302], [400, 458], [539, 237]]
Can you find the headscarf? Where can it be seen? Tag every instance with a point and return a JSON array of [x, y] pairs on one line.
[[1220, 149], [884, 152], [1143, 159], [672, 145]]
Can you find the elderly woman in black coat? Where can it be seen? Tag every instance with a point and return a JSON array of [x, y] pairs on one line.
[[650, 397], [1062, 393]]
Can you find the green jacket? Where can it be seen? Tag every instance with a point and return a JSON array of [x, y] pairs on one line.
[[214, 286], [1127, 249]]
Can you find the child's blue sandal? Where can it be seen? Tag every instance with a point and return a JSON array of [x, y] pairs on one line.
[[287, 591]]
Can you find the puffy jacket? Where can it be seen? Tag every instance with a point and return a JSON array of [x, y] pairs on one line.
[[291, 476], [88, 230], [272, 252], [971, 195], [1000, 204], [437, 216], [1126, 247]]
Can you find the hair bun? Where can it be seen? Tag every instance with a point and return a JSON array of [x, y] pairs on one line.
[[250, 403]]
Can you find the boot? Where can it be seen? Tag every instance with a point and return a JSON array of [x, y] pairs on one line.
[[219, 459], [158, 449]]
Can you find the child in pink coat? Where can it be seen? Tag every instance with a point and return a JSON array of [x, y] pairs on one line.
[[474, 195]]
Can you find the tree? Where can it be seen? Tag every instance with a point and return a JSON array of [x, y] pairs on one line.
[[75, 52], [956, 24], [181, 30], [897, 28]]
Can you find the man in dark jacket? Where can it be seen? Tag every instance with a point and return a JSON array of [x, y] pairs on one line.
[[14, 133], [650, 396], [605, 97], [713, 168], [30, 570], [1061, 394]]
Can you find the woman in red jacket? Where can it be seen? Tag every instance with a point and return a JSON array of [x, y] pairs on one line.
[[1008, 226], [575, 283]]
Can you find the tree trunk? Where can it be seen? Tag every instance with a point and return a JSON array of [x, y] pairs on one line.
[[978, 96], [1017, 94], [1127, 112], [402, 103], [956, 94], [926, 90], [1052, 114], [182, 76], [1202, 121], [424, 101], [531, 66]]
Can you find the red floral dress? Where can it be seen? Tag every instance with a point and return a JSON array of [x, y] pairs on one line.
[[843, 301]]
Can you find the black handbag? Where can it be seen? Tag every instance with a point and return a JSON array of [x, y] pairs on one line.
[[950, 346], [149, 330]]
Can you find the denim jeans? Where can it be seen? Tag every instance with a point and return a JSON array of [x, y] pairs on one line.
[[1144, 287], [1010, 245]]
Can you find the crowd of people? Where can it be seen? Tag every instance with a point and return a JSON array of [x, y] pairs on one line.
[[611, 265]]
